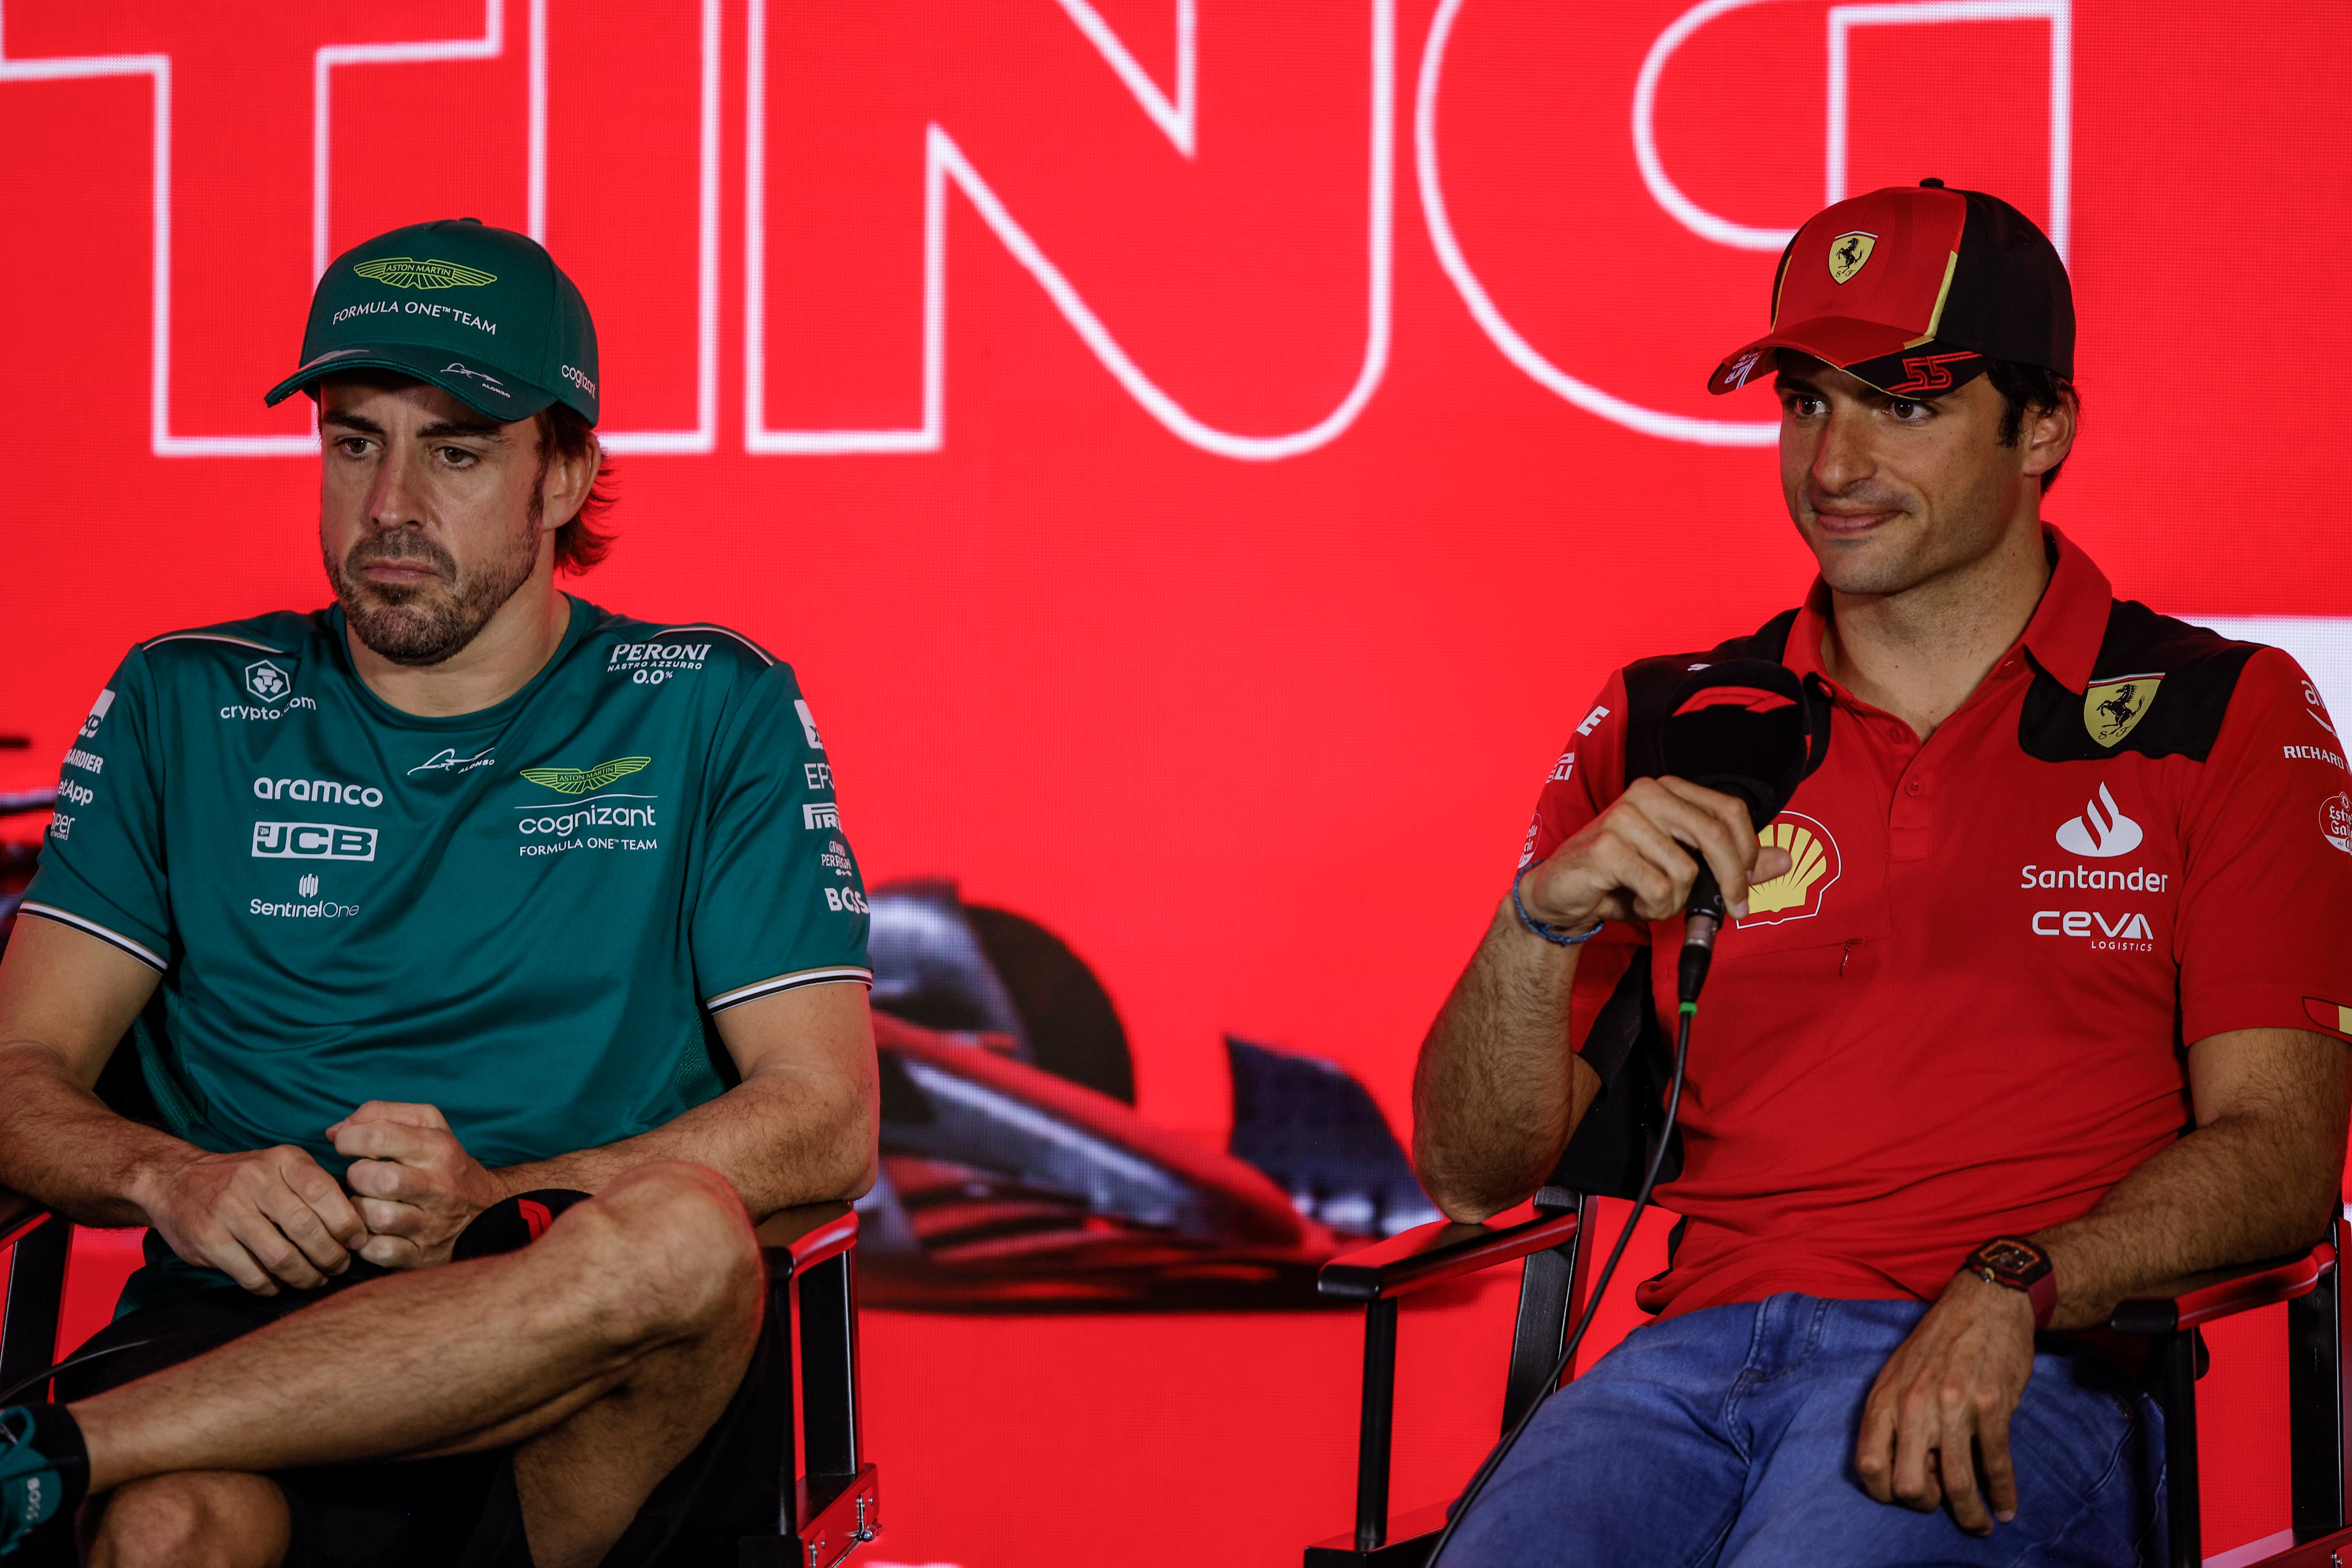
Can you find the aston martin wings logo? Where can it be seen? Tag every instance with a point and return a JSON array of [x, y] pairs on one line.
[[580, 781], [407, 272]]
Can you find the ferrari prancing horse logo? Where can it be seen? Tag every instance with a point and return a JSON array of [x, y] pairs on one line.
[[1848, 252], [2112, 707]]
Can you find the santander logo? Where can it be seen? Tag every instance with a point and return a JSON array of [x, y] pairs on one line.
[[2101, 831]]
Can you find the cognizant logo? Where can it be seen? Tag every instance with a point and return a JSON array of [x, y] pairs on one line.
[[595, 813]]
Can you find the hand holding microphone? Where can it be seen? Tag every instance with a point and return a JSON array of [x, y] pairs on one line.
[[1638, 860], [1736, 740], [1732, 749], [1740, 729]]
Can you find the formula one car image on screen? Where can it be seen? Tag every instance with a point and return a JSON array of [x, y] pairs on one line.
[[1017, 1175]]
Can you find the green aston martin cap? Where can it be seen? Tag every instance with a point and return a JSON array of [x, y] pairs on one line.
[[483, 312]]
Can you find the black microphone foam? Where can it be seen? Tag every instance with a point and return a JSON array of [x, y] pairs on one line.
[[1739, 727]]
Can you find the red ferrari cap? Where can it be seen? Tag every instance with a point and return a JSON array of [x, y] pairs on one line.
[[1914, 288]]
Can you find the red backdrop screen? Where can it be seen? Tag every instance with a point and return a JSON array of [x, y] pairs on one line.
[[1200, 456]]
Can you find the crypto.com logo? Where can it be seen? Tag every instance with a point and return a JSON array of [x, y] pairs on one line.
[[1173, 111]]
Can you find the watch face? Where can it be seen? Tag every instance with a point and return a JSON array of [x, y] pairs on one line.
[[2008, 1257], [2014, 1263]]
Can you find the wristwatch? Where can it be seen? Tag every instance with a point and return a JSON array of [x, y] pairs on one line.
[[2021, 1266]]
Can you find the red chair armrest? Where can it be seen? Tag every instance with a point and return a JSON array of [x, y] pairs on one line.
[[811, 1234], [1434, 1253], [16, 1224], [2263, 1284]]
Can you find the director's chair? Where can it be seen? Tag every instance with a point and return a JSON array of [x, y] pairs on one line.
[[828, 1499], [1611, 1150]]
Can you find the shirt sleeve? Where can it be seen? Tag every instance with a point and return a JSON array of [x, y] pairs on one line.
[[1590, 773], [780, 903], [102, 863], [1590, 776], [2266, 892]]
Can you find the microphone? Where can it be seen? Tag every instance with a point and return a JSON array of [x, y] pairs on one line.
[[1745, 727], [1739, 727]]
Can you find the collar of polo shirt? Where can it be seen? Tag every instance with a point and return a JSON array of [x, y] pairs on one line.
[[2063, 637]]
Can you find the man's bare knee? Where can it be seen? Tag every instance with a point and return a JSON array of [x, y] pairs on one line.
[[205, 1519], [671, 1248]]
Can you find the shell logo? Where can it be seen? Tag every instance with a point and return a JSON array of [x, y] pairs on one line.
[[1796, 893]]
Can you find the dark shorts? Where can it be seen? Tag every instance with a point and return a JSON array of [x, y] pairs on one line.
[[462, 1511]]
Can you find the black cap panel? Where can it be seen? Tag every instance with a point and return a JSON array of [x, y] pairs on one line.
[[2010, 297]]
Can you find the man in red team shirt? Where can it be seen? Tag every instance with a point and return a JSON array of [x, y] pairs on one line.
[[2034, 1000]]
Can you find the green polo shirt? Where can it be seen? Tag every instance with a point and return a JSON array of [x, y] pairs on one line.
[[526, 916]]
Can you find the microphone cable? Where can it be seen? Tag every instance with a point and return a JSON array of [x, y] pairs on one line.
[[1689, 1010]]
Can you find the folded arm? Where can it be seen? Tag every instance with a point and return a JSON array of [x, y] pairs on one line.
[[1498, 1092], [800, 1127], [2258, 1176], [266, 1216], [65, 999]]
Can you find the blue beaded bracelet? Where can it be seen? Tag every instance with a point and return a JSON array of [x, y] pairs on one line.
[[1549, 933]]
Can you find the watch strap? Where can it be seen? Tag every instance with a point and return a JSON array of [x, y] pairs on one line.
[[2044, 1294]]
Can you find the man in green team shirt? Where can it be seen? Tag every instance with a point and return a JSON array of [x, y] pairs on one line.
[[458, 890]]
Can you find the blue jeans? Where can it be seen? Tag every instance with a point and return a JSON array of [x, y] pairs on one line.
[[1725, 1437]]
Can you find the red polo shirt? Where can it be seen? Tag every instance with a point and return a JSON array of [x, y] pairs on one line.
[[1963, 1012]]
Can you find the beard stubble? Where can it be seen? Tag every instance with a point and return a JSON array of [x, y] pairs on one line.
[[419, 624]]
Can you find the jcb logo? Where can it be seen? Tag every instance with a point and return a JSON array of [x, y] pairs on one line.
[[313, 841]]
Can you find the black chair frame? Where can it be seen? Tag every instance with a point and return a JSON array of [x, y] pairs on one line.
[[828, 1495], [1552, 1294]]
